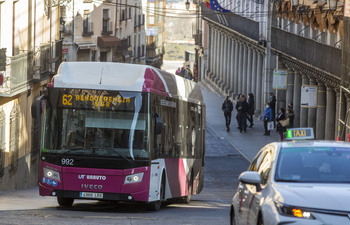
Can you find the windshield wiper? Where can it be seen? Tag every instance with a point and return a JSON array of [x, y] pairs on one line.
[[71, 150], [115, 151]]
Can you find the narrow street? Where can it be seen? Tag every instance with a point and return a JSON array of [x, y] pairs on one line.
[[223, 165]]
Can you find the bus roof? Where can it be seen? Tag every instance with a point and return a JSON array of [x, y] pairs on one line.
[[125, 77]]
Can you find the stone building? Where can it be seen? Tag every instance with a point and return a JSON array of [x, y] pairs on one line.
[[105, 31], [30, 54], [155, 32]]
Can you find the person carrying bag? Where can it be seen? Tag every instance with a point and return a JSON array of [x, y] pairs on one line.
[[267, 117]]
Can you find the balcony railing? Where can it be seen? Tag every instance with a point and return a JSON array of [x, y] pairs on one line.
[[18, 74], [88, 28], [107, 28], [21, 70]]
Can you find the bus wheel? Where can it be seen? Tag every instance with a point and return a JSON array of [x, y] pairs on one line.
[[67, 202], [155, 206]]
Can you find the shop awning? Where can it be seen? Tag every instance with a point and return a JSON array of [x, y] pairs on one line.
[[86, 45], [108, 41]]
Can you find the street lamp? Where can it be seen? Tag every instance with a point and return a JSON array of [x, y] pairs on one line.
[[332, 4], [187, 3]]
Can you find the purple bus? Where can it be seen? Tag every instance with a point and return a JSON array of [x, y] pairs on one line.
[[121, 132]]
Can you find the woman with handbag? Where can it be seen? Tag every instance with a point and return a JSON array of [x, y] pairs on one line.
[[281, 122], [267, 117]]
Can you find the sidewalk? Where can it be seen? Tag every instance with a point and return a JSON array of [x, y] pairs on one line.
[[248, 144]]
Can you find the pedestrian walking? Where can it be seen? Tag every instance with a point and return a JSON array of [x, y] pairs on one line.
[[238, 100], [267, 117], [280, 127], [242, 109], [290, 115], [227, 108], [272, 103], [182, 72], [251, 109]]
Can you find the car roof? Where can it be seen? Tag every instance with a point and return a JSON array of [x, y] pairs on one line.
[[314, 143]]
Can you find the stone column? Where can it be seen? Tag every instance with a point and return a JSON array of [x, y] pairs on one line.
[[232, 66], [249, 71], [296, 99], [236, 70], [259, 95], [216, 49], [208, 64], [290, 87], [254, 72], [240, 68], [340, 114], [304, 111], [218, 59], [321, 111], [244, 71], [213, 55], [312, 112], [330, 114], [337, 103], [222, 60], [227, 63]]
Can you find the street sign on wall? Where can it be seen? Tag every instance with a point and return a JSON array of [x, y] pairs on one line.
[[279, 79], [308, 96]]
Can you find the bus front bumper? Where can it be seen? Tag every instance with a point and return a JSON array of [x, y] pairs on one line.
[[44, 191]]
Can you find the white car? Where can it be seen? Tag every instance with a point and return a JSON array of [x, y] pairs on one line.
[[304, 182]]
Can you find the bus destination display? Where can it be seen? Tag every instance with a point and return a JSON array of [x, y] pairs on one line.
[[92, 100]]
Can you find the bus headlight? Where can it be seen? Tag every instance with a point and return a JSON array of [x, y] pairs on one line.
[[293, 211], [52, 174], [135, 178]]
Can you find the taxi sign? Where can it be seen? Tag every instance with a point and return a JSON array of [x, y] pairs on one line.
[[302, 133]]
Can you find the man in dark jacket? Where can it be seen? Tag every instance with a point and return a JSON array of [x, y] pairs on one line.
[[242, 109], [272, 104], [251, 109], [227, 108]]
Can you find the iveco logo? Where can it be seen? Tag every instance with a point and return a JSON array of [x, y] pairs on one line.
[[92, 186]]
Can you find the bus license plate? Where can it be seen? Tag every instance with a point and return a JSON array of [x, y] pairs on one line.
[[91, 195]]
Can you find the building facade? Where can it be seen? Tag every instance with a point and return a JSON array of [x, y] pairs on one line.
[[30, 54], [155, 32], [105, 31]]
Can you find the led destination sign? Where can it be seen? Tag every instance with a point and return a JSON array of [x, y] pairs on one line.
[[92, 100]]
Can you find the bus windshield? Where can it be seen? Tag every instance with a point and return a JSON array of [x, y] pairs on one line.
[[96, 123]]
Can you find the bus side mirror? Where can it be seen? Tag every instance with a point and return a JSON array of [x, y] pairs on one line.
[[158, 125]]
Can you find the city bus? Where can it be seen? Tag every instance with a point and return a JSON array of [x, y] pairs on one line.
[[120, 132]]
